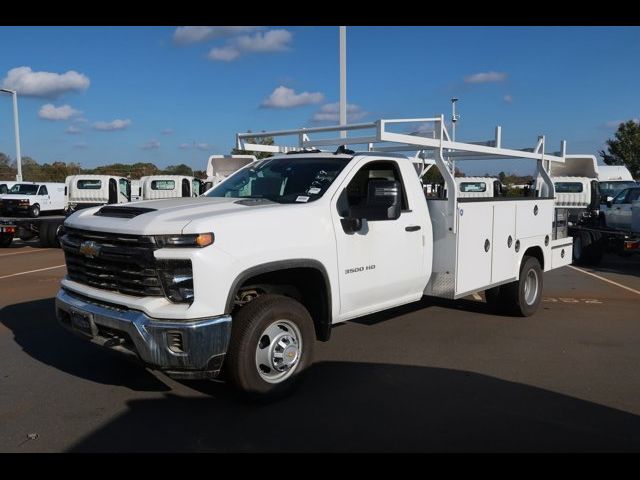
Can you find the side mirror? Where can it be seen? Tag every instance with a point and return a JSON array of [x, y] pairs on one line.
[[382, 202], [351, 224], [609, 202]]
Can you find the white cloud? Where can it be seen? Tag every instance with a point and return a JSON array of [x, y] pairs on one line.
[[486, 77], [186, 35], [614, 124], [63, 112], [80, 145], [116, 124], [224, 54], [331, 113], [150, 145], [283, 97], [203, 146], [270, 41], [507, 98], [167, 131], [185, 146], [73, 130], [44, 84]]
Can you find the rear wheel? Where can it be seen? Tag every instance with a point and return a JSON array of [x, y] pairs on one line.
[[588, 248], [523, 296], [272, 342], [5, 239]]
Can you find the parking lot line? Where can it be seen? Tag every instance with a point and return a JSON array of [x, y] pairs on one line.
[[30, 251], [637, 292], [32, 271]]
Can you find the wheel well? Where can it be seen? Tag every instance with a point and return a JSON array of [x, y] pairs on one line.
[[535, 252], [307, 285]]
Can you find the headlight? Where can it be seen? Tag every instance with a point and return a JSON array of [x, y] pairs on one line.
[[177, 280], [195, 240], [24, 202]]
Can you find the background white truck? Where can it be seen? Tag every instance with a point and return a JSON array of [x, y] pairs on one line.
[[220, 167], [248, 277], [5, 185], [154, 187], [85, 191], [583, 207]]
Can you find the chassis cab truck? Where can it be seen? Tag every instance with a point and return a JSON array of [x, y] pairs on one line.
[[154, 187], [245, 279], [220, 167], [84, 191]]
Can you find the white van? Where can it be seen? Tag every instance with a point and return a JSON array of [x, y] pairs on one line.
[[220, 167], [5, 185], [92, 190], [154, 187], [32, 198]]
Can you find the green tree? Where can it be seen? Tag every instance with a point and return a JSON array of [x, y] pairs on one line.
[[181, 169], [7, 168], [501, 176], [261, 141], [624, 148]]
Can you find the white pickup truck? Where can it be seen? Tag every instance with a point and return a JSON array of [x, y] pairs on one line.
[[246, 278]]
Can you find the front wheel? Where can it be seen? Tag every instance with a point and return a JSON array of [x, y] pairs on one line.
[[523, 296], [272, 343], [34, 211]]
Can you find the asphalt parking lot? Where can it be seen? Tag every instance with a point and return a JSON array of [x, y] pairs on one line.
[[434, 376]]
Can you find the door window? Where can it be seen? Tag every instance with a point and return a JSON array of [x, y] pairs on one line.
[[43, 190], [621, 197]]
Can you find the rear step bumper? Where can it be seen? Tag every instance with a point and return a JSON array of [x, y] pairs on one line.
[[188, 350]]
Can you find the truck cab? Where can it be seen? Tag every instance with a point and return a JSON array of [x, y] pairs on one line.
[[156, 187], [84, 191]]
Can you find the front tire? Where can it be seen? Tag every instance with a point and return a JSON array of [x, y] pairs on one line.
[[34, 211], [522, 297], [272, 343]]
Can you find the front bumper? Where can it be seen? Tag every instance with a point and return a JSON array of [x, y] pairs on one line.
[[187, 349]]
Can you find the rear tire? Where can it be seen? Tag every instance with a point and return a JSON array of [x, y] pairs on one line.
[[588, 248], [522, 297], [53, 235], [272, 343]]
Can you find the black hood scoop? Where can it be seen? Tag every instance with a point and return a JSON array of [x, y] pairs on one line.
[[122, 212]]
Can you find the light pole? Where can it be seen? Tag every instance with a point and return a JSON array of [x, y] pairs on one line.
[[16, 128], [343, 79]]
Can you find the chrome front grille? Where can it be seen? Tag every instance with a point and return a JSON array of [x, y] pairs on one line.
[[121, 263]]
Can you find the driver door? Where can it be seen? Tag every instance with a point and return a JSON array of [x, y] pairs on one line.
[[382, 264]]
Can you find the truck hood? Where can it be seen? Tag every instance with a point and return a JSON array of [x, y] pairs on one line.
[[15, 197], [169, 216]]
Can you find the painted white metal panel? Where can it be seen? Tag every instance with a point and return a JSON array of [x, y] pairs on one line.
[[503, 261], [473, 270], [534, 217], [561, 252]]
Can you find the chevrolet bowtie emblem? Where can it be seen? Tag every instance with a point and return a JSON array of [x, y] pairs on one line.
[[90, 249]]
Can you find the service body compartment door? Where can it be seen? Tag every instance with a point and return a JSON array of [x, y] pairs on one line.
[[473, 270], [503, 261], [561, 252], [534, 217]]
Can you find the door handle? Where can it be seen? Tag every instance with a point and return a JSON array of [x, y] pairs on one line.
[[412, 228]]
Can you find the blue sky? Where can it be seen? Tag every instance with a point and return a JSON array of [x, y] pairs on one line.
[[173, 95]]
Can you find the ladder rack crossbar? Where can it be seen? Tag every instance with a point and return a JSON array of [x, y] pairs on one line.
[[386, 141]]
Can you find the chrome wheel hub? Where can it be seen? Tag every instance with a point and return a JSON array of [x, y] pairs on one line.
[[278, 351], [531, 287]]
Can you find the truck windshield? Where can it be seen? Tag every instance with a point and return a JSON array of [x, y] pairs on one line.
[[611, 189], [22, 189], [283, 180]]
